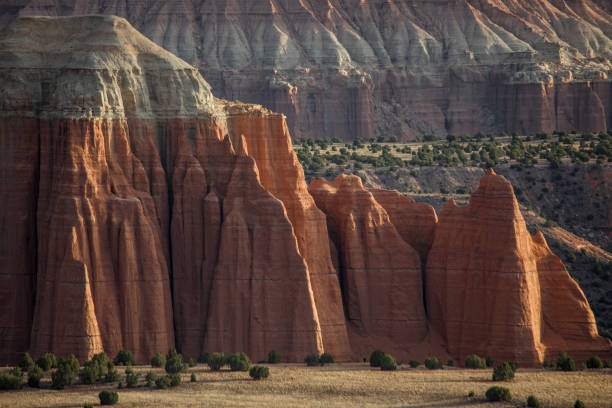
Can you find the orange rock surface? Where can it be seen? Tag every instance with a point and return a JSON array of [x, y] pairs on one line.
[[381, 273], [139, 212], [494, 290]]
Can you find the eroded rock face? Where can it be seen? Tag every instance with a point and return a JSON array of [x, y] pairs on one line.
[[139, 212], [388, 67], [381, 273], [132, 176], [494, 290]]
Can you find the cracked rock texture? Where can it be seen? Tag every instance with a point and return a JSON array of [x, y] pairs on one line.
[[349, 68]]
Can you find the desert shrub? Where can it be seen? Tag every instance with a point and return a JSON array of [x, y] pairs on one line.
[[26, 364], [94, 369], [489, 362], [47, 361], [450, 362], [124, 358], [10, 381], [88, 375], [496, 393], [259, 372], [376, 358], [607, 363], [193, 377], [311, 360], [158, 360], [112, 374], [192, 363], [326, 358], [533, 402], [513, 365], [175, 379], [239, 362], [34, 376], [66, 372], [503, 372], [594, 362], [414, 363], [216, 361], [578, 404], [88, 406], [475, 361], [547, 363], [203, 358], [150, 378], [565, 362], [174, 362], [274, 357], [388, 363], [162, 383], [433, 363], [108, 397], [131, 378]]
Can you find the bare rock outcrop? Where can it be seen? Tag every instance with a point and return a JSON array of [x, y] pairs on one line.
[[492, 289], [132, 180], [381, 273], [388, 67]]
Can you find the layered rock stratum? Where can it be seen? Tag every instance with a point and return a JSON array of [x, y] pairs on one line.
[[138, 211], [352, 69]]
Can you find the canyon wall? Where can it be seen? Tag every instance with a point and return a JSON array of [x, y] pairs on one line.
[[351, 69], [138, 211]]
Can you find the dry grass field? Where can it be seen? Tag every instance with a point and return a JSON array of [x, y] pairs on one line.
[[337, 385]]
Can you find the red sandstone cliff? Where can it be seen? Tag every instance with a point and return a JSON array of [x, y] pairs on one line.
[[132, 177], [494, 290], [137, 211], [388, 67]]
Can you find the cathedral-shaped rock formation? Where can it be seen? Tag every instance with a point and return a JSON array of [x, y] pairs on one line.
[[140, 212], [381, 273], [494, 290]]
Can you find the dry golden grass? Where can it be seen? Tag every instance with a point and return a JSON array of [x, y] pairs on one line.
[[338, 385]]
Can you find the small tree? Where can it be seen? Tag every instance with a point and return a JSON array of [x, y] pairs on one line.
[[503, 372], [498, 394], [124, 358], [239, 362], [34, 376], [174, 362], [131, 378], [203, 358], [65, 373], [490, 362], [108, 397], [216, 361], [11, 380], [311, 360], [193, 377], [594, 362], [433, 363], [533, 402], [565, 362], [274, 357], [26, 364], [150, 378], [388, 363], [376, 358], [47, 361], [414, 363], [112, 374], [578, 404], [158, 360], [326, 358], [259, 372], [474, 361]]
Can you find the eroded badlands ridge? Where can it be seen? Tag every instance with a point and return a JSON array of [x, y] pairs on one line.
[[140, 212], [349, 68]]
